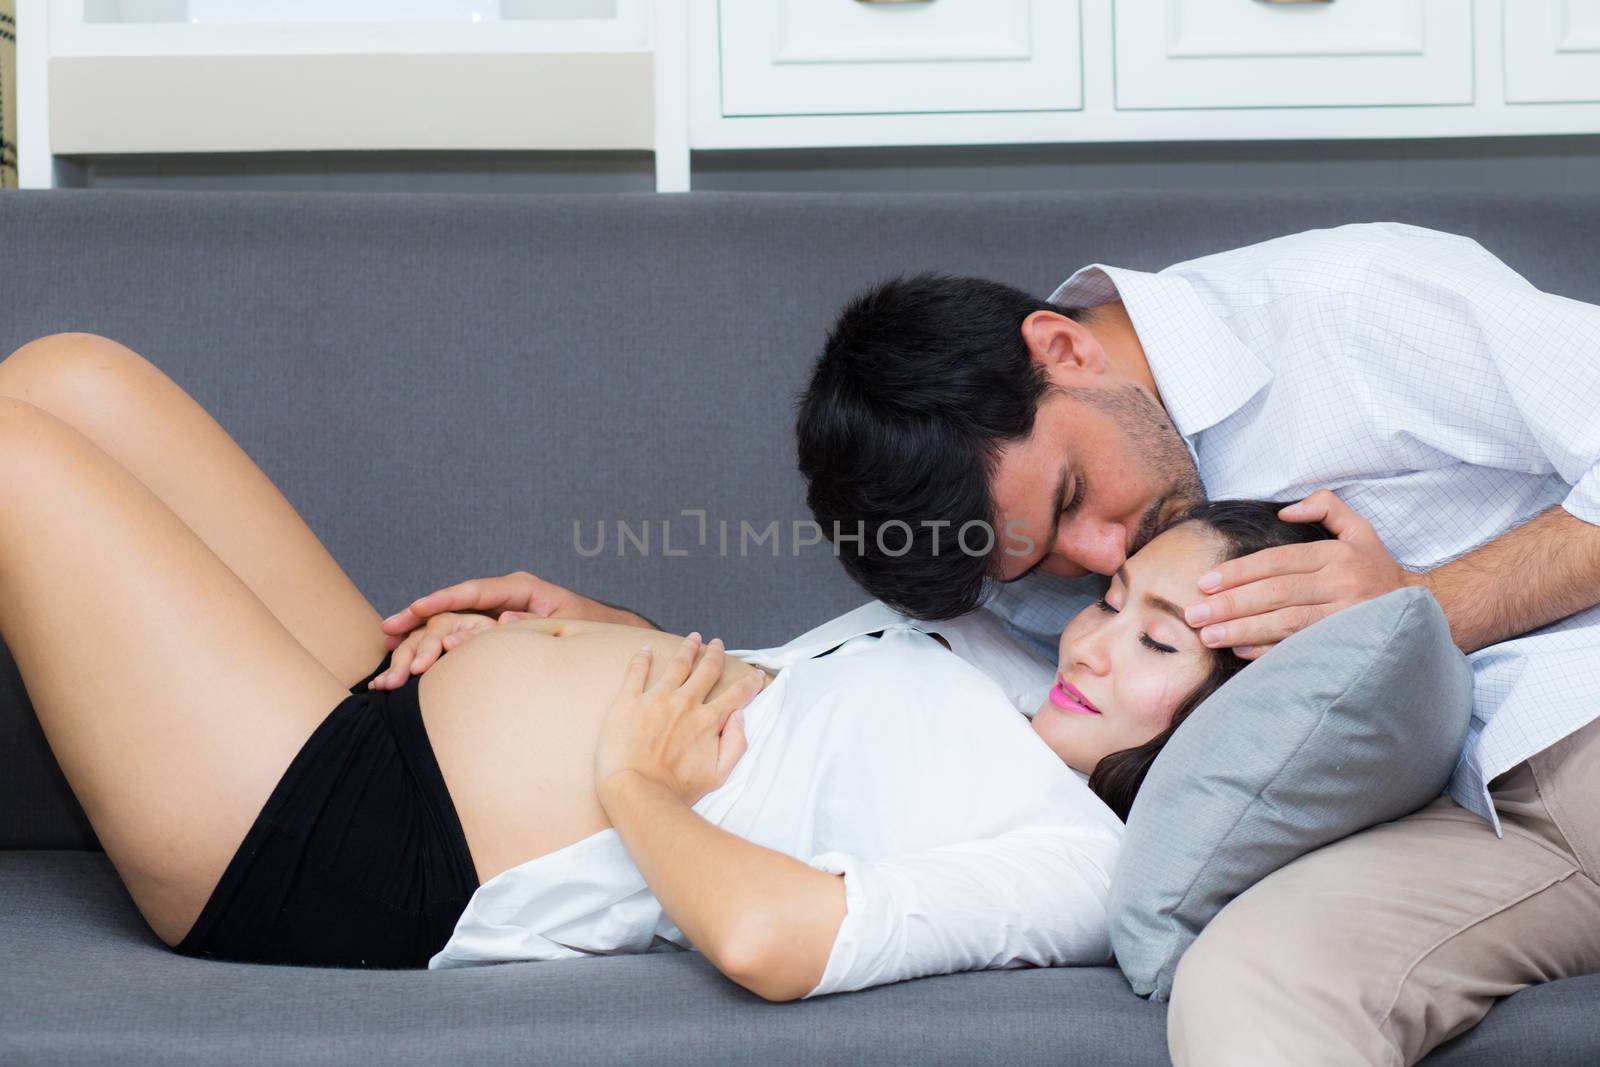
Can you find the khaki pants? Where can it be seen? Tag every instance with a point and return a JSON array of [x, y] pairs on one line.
[[1380, 947]]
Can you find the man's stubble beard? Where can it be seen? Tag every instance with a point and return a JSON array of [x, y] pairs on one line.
[[1159, 448]]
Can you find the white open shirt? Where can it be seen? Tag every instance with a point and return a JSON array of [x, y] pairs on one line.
[[964, 842]]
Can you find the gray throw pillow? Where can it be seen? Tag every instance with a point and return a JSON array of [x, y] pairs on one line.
[[1355, 720]]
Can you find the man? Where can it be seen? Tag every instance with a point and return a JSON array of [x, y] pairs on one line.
[[1449, 405]]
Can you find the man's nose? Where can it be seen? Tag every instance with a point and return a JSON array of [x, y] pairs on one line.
[[1101, 549]]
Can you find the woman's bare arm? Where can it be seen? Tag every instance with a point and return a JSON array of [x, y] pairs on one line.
[[764, 919]]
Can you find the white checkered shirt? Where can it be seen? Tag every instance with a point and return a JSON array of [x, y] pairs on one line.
[[1439, 394]]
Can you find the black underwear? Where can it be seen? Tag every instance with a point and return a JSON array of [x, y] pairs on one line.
[[357, 858]]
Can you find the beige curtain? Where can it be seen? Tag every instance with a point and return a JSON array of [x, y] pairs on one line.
[[8, 94]]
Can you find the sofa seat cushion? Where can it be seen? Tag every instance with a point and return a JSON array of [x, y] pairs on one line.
[[86, 982]]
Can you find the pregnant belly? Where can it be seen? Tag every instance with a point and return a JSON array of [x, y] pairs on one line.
[[513, 716]]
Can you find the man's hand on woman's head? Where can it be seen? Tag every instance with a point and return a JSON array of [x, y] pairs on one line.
[[1258, 600], [518, 591]]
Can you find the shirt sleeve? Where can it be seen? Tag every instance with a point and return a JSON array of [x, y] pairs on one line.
[[1472, 359], [1034, 896]]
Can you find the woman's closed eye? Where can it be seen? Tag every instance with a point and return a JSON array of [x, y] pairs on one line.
[[1144, 639]]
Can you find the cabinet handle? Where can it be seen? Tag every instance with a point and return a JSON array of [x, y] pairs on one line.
[[903, 1], [1294, 1]]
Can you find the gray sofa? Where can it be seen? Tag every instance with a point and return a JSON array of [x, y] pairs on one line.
[[443, 384]]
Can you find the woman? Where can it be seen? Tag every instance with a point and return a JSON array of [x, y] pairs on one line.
[[249, 822]]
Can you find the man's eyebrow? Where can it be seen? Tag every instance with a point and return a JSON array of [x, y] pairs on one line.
[[1161, 603]]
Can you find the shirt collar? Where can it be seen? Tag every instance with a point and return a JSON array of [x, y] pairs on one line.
[[1204, 372]]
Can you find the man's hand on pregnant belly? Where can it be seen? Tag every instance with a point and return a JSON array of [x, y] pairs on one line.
[[420, 649], [669, 733], [518, 591]]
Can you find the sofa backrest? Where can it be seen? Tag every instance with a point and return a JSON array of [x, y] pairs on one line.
[[443, 384]]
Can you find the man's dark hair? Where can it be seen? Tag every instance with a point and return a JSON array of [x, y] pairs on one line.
[[921, 383]]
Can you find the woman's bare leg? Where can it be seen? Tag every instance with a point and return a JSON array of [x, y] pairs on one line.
[[145, 421], [171, 696]]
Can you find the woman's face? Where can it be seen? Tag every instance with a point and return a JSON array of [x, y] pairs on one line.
[[1126, 663]]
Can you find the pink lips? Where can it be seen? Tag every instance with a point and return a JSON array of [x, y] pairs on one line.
[[1066, 697]]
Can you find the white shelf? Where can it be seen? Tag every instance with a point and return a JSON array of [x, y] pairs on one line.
[[262, 103], [72, 35], [609, 21], [346, 11], [464, 77]]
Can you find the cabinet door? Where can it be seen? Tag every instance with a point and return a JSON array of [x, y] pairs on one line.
[[1270, 53], [842, 57], [1552, 51]]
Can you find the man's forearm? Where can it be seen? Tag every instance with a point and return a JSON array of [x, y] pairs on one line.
[[1544, 570]]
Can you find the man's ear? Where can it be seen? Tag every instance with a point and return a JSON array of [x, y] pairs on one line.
[[1064, 346]]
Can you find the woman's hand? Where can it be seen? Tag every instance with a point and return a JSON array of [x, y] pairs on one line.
[[517, 591], [669, 733], [418, 650]]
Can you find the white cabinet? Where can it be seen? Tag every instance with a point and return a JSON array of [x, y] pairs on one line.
[[841, 57], [1552, 51], [1265, 53]]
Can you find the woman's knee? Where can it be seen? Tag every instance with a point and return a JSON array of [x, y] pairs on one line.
[[58, 366], [51, 348]]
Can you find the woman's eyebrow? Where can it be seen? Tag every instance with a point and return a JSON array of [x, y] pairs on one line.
[[1161, 603], [1169, 607]]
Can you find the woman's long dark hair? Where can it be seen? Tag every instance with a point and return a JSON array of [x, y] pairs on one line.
[[1245, 526]]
